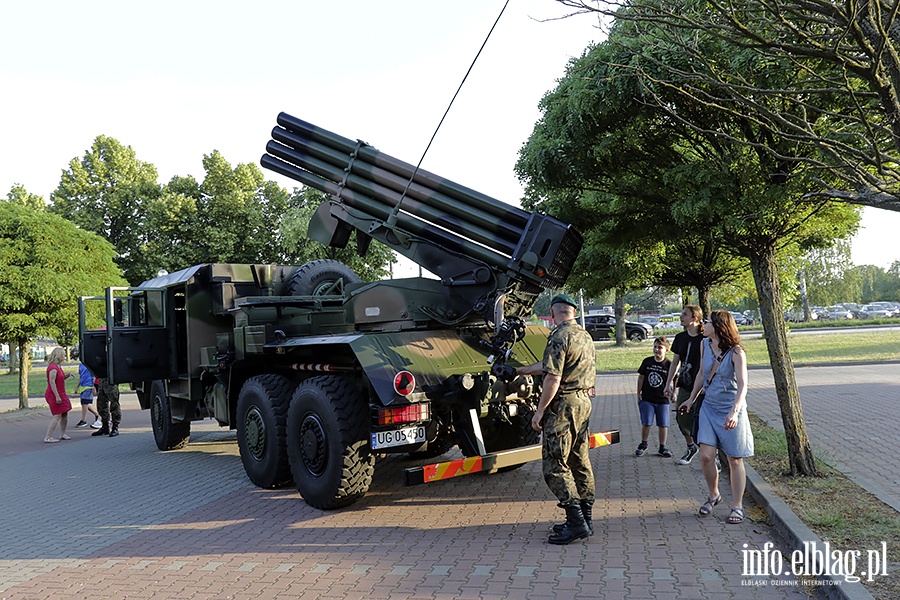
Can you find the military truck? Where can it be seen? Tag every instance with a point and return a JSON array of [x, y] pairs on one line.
[[320, 372]]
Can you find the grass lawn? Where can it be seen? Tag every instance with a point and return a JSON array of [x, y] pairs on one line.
[[37, 380], [805, 349]]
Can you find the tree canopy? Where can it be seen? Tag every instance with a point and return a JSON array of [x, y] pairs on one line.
[[106, 192], [233, 215], [46, 263], [840, 108]]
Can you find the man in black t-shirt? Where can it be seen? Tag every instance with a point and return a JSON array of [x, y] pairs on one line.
[[685, 368]]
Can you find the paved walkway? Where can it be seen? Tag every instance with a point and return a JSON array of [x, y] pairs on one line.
[[113, 518]]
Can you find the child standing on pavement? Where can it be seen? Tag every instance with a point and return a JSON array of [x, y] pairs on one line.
[[86, 388], [652, 400]]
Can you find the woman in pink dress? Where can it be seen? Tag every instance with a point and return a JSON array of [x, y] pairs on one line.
[[56, 396]]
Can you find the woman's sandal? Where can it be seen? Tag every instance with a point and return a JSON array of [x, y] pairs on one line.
[[50, 440], [707, 506], [736, 517]]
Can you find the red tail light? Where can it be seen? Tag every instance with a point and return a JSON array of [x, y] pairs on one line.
[[409, 413]]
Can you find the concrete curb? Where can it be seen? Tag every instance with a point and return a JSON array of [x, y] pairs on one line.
[[796, 532]]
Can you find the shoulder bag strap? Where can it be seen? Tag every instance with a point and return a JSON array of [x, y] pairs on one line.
[[715, 367]]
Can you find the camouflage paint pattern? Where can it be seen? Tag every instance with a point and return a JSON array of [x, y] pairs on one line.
[[566, 465]]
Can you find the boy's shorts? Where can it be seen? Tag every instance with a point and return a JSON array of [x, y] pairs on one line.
[[650, 410], [87, 396]]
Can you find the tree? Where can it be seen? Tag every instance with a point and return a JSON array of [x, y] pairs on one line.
[[46, 262], [106, 192], [239, 213], [19, 195], [626, 127], [373, 265], [844, 106], [626, 181], [829, 276]]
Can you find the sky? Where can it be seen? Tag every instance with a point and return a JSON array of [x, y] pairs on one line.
[[178, 80]]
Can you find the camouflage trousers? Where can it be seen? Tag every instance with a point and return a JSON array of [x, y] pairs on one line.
[[108, 402], [566, 463]]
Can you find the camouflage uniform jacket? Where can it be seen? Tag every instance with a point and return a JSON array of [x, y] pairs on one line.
[[571, 354]]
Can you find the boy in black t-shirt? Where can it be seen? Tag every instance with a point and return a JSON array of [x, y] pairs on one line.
[[652, 400]]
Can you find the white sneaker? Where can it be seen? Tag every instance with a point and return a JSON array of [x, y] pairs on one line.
[[97, 424]]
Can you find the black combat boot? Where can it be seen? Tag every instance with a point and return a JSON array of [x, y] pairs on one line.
[[103, 430], [574, 529], [114, 431], [587, 509]]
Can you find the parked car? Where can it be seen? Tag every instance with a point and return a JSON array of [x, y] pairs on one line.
[[603, 327], [668, 321], [838, 312], [888, 306], [854, 309], [651, 320], [875, 312], [739, 318]]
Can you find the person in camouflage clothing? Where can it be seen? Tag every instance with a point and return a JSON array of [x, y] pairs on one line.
[[569, 370], [108, 406]]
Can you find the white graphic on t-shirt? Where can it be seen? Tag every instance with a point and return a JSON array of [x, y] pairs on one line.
[[684, 375]]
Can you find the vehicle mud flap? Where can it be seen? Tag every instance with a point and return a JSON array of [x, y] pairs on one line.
[[261, 415], [328, 442]]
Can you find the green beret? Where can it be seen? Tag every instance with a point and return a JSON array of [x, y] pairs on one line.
[[565, 299]]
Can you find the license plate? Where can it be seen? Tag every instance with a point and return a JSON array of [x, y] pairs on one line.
[[398, 437]]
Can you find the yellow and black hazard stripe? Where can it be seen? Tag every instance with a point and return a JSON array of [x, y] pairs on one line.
[[491, 462]]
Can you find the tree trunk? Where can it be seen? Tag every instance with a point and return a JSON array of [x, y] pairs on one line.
[[13, 360], [804, 296], [620, 317], [703, 298], [24, 369], [765, 274]]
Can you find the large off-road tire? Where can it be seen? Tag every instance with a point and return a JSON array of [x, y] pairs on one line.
[[261, 415], [500, 436], [328, 442], [166, 434], [316, 277]]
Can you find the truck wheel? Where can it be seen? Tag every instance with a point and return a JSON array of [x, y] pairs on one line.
[[316, 277], [328, 442], [261, 413], [506, 436], [166, 434]]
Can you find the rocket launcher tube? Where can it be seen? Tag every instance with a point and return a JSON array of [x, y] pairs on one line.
[[439, 205], [469, 197], [390, 198], [407, 223]]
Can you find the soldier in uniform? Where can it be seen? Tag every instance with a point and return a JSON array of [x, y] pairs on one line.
[[108, 405], [569, 370]]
